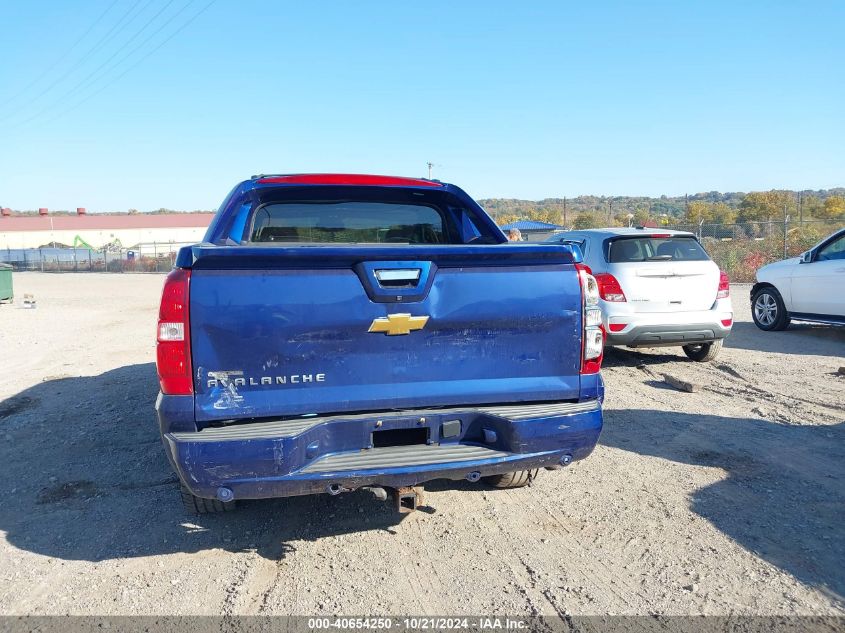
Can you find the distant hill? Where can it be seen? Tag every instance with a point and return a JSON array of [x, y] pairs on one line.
[[673, 206], [64, 212], [552, 209]]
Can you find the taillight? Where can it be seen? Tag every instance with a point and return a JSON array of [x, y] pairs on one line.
[[592, 345], [173, 351], [609, 288], [724, 285]]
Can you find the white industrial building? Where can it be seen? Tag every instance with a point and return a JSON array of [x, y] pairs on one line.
[[99, 230]]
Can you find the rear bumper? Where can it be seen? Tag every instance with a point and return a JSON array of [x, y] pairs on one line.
[[654, 329], [307, 455]]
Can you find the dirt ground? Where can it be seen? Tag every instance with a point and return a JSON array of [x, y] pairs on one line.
[[730, 500]]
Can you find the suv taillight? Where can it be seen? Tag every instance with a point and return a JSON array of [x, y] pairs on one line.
[[609, 288], [592, 345], [173, 351], [724, 285]]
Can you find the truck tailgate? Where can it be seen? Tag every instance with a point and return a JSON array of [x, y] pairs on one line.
[[285, 331]]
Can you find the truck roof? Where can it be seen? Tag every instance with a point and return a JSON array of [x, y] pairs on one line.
[[371, 180], [261, 188]]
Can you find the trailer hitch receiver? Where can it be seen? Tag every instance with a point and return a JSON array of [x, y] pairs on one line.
[[408, 499]]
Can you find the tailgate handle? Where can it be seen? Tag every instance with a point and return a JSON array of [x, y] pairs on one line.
[[398, 277]]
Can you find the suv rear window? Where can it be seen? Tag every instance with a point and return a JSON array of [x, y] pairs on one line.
[[654, 249], [348, 222]]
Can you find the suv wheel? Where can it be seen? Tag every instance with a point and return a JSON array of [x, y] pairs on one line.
[[768, 311], [198, 505], [516, 479], [703, 352]]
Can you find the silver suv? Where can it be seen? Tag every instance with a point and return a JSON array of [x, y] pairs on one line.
[[657, 288]]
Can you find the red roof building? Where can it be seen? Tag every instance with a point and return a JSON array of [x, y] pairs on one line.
[[95, 222], [98, 230]]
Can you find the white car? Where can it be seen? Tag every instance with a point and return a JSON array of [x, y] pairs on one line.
[[806, 288], [657, 288]]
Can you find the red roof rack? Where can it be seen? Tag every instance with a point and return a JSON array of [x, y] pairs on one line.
[[348, 179]]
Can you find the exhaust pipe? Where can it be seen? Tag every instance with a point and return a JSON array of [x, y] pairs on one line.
[[378, 492]]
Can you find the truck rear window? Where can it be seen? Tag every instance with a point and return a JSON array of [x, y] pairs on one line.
[[348, 222], [654, 249]]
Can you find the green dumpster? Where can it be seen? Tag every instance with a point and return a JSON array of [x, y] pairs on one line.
[[6, 293]]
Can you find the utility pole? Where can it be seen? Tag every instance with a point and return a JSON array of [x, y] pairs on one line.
[[609, 211], [800, 209], [430, 165], [564, 210], [785, 234]]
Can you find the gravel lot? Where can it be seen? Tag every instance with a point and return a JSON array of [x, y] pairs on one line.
[[730, 500]]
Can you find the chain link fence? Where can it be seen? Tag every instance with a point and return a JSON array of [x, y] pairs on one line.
[[740, 249], [141, 258]]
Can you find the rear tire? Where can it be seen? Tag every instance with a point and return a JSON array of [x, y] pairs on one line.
[[703, 352], [517, 479], [768, 311], [199, 505]]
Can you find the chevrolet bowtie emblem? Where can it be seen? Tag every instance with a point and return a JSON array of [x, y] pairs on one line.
[[394, 324]]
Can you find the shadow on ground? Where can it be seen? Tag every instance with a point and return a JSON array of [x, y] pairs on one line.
[[89, 481], [783, 497], [798, 338], [626, 357]]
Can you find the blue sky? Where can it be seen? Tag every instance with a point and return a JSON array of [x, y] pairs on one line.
[[517, 99]]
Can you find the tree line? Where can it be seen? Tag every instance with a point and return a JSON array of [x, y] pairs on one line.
[[711, 208]]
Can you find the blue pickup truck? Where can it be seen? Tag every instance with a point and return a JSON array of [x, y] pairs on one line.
[[338, 332]]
